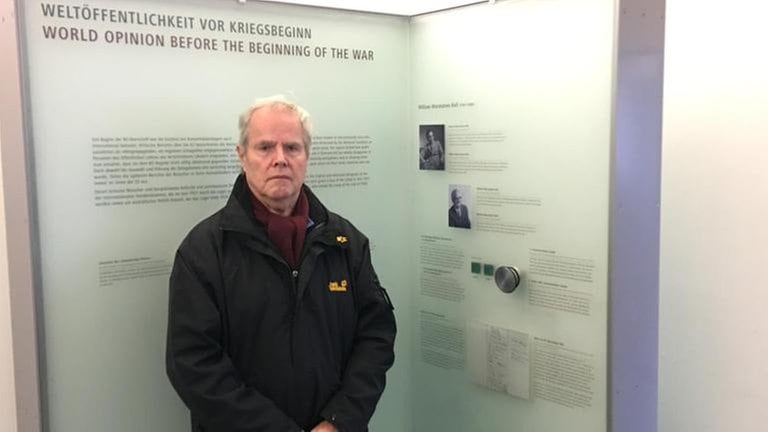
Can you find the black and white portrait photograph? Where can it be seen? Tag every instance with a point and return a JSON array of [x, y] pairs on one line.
[[460, 197], [432, 147]]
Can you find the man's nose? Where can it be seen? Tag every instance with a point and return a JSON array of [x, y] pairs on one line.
[[280, 159]]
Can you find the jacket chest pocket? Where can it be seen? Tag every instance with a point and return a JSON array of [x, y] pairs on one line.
[[332, 289], [338, 289]]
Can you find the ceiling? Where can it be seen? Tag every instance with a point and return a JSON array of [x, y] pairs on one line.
[[391, 7]]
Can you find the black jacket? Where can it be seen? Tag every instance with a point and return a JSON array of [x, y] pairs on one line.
[[254, 345]]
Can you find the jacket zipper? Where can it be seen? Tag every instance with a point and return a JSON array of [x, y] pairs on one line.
[[294, 275], [294, 312], [295, 286], [295, 283]]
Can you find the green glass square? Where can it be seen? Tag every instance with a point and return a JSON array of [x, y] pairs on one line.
[[476, 267], [488, 269]]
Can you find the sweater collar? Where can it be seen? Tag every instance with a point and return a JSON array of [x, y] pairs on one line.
[[238, 215]]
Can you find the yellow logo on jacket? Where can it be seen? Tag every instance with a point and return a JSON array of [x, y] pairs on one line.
[[334, 286], [341, 239]]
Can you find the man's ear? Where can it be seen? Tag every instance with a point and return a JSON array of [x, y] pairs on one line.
[[240, 150]]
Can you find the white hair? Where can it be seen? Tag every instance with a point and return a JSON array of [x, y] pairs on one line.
[[270, 102]]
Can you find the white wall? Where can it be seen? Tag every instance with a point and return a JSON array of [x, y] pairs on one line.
[[714, 238], [7, 389], [19, 400]]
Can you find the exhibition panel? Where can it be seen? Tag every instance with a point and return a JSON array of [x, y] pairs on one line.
[[475, 147], [134, 108], [512, 139]]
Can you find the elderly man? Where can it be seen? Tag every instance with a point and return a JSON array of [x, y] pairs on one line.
[[277, 321], [458, 213]]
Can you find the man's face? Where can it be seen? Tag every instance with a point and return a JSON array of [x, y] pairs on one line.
[[430, 136], [275, 159], [456, 197]]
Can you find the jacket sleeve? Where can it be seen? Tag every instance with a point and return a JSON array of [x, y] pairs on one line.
[[200, 369], [372, 355]]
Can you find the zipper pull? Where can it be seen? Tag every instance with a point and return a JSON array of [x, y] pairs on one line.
[[295, 274]]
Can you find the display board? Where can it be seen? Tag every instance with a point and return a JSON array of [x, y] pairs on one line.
[[134, 109], [461, 142], [511, 139]]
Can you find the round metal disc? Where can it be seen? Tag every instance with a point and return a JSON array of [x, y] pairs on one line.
[[507, 278]]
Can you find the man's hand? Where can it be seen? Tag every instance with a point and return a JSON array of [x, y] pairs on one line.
[[324, 426]]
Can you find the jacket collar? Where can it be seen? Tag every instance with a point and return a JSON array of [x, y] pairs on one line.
[[237, 214]]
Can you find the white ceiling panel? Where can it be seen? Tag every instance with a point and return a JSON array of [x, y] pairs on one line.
[[392, 7]]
